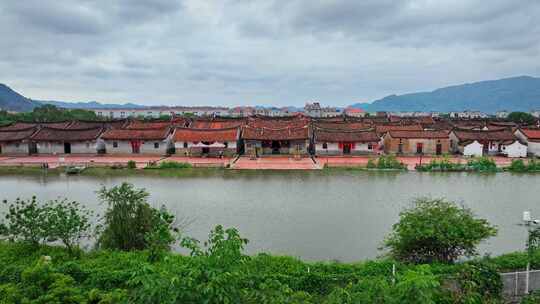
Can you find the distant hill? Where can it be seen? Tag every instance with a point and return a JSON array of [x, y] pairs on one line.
[[512, 94], [13, 101]]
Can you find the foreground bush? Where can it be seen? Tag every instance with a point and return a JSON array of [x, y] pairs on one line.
[[221, 273], [34, 223], [130, 223], [435, 230]]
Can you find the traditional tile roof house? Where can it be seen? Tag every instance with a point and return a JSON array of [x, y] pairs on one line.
[[18, 126], [486, 142], [531, 137], [342, 125], [86, 124], [135, 141], [217, 123], [16, 140], [210, 142], [416, 142], [345, 142], [49, 140], [146, 125], [382, 129], [276, 136]]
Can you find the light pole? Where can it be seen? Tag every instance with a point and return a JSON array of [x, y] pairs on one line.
[[528, 221]]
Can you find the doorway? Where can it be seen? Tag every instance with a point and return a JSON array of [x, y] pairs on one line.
[[32, 148], [67, 148], [438, 149], [347, 148], [135, 147], [206, 150], [276, 146], [419, 148]]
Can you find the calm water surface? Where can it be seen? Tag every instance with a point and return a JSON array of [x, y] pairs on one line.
[[313, 215]]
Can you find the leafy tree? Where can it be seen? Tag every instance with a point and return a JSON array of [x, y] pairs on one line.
[[67, 221], [521, 118], [162, 234], [436, 230], [30, 221], [25, 221], [130, 223]]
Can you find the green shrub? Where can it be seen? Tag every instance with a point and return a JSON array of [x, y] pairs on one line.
[[174, 165], [130, 223], [131, 164], [436, 230], [482, 164], [56, 220], [386, 162], [518, 165], [533, 298], [441, 164]]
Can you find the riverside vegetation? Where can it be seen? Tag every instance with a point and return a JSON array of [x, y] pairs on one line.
[[443, 164], [132, 262]]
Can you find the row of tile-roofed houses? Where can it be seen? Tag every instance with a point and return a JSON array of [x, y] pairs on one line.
[[263, 135]]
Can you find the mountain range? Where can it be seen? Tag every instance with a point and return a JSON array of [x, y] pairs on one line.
[[514, 94], [13, 101]]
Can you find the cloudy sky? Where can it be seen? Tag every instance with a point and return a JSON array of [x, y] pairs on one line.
[[245, 52]]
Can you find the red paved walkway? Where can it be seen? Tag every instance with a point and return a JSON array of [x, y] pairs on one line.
[[79, 160], [278, 163], [275, 163]]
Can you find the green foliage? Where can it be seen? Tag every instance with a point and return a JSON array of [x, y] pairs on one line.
[[386, 162], [67, 221], [533, 298], [174, 165], [521, 118], [48, 113], [477, 281], [32, 222], [482, 164], [441, 164], [25, 220], [518, 165], [130, 223], [131, 164], [418, 286], [436, 230]]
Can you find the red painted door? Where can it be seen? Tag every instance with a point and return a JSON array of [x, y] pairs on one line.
[[135, 146]]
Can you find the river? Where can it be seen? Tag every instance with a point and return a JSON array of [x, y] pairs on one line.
[[341, 215]]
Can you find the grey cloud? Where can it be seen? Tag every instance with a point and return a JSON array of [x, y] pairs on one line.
[[245, 51]]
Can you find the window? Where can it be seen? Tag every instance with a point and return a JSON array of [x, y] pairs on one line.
[[156, 145], [370, 146], [16, 145], [226, 144], [185, 144], [325, 145], [87, 145], [115, 144], [122, 114]]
